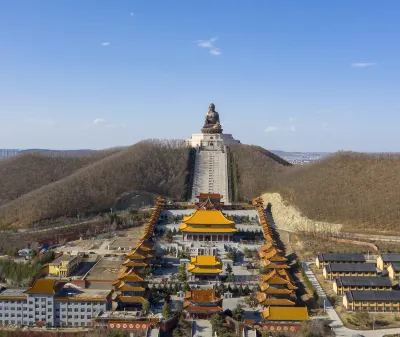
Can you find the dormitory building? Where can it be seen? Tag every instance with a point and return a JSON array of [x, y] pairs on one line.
[[52, 303]]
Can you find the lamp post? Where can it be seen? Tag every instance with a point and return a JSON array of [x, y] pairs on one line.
[[373, 323]]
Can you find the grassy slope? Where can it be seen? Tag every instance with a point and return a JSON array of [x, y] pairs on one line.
[[152, 166]]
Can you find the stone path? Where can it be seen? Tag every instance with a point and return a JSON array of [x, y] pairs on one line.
[[336, 323], [202, 328]]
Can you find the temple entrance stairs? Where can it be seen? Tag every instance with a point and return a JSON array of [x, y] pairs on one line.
[[211, 173]]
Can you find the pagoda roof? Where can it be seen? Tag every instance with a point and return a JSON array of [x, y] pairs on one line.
[[273, 255], [201, 296], [268, 237], [267, 246], [197, 270], [210, 195], [276, 279], [127, 287], [273, 313], [129, 263], [268, 263], [207, 217], [267, 289], [190, 229], [130, 299], [264, 300], [200, 309], [205, 260], [130, 276], [45, 287]]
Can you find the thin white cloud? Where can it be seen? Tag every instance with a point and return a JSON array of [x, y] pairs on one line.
[[105, 44], [292, 119], [132, 14], [207, 43], [215, 52], [278, 129], [363, 64], [271, 129], [99, 121]]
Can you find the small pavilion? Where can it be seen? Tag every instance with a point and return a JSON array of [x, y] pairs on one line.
[[205, 267]]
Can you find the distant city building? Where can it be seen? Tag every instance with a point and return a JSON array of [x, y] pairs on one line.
[[5, 153]]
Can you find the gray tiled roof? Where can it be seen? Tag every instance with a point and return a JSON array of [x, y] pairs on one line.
[[391, 257], [350, 267], [332, 257], [373, 295], [396, 266], [370, 281]]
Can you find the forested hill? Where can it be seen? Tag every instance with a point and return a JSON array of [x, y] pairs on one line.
[[253, 170], [152, 166], [27, 172], [359, 190]]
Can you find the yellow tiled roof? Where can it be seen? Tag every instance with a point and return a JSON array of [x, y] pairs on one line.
[[196, 270], [278, 302], [127, 287], [45, 286], [207, 217], [205, 260], [189, 229], [268, 263], [286, 314], [130, 299], [129, 263], [263, 299]]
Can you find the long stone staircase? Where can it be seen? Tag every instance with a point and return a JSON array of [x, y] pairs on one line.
[[211, 172]]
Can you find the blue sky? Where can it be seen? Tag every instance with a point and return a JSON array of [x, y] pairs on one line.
[[289, 75]]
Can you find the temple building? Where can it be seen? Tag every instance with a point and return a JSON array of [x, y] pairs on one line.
[[284, 319], [129, 290], [277, 289], [202, 303], [208, 226], [209, 201], [205, 267], [141, 256], [273, 258], [130, 285]]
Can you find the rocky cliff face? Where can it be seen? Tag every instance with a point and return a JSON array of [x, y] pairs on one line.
[[288, 217]]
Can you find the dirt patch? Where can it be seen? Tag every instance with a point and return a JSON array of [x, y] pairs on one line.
[[307, 247]]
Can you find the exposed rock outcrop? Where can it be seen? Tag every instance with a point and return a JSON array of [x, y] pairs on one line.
[[288, 217]]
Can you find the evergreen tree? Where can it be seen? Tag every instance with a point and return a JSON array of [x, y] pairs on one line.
[[238, 312], [166, 311], [146, 307], [182, 275]]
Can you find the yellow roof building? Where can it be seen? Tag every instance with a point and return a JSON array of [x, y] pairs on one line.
[[285, 313], [205, 264], [207, 221]]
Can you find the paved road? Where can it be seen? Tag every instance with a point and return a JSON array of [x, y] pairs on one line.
[[202, 328], [337, 325]]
